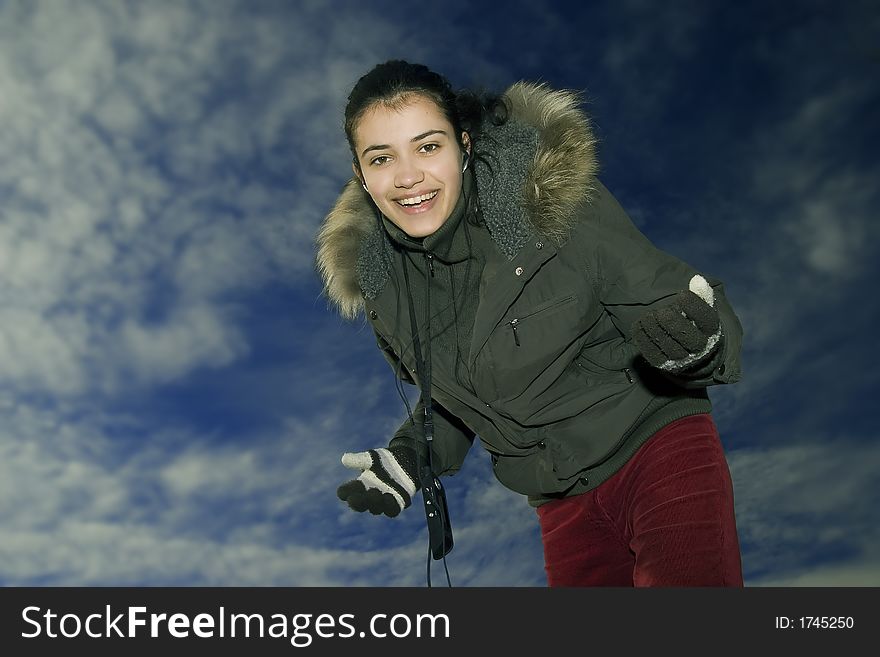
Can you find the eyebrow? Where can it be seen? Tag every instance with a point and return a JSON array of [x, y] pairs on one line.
[[379, 147]]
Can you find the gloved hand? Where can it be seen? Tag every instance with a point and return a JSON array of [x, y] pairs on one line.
[[682, 334], [387, 481]]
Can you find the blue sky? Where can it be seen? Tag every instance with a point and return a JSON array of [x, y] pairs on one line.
[[175, 393]]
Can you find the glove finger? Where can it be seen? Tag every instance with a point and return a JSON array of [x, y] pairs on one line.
[[375, 501], [357, 460], [646, 346], [700, 286], [392, 508], [354, 493], [702, 314], [660, 337], [682, 329], [349, 487]]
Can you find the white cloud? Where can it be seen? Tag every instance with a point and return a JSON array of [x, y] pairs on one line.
[[197, 337], [37, 354], [802, 162], [130, 216], [835, 228], [795, 501], [80, 508]]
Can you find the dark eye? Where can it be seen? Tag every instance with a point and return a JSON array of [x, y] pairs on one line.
[[378, 161], [429, 148]]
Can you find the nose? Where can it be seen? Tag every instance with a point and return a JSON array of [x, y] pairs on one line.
[[408, 173]]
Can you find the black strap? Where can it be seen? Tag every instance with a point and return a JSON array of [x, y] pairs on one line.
[[434, 498]]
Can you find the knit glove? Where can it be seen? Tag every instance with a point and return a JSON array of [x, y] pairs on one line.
[[684, 333], [387, 481]]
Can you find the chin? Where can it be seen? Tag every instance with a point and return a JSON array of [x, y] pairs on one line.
[[420, 230], [416, 226]]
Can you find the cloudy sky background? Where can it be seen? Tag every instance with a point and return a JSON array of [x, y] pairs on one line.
[[175, 393]]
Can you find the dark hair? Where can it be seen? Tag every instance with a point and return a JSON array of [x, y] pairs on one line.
[[396, 81]]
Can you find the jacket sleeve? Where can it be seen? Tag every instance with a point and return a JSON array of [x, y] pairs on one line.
[[633, 277], [452, 439]]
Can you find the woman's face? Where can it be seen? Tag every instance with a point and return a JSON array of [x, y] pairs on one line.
[[411, 163]]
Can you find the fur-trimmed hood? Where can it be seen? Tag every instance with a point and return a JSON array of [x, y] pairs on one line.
[[532, 173]]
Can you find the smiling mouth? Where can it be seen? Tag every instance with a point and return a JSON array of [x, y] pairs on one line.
[[415, 201]]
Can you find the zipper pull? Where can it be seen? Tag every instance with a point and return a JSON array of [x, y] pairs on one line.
[[430, 257], [513, 324], [628, 375]]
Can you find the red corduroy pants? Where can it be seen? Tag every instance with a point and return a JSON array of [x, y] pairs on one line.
[[665, 519]]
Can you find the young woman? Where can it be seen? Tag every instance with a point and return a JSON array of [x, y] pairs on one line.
[[545, 324]]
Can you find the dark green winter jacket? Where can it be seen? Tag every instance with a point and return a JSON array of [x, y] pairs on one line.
[[549, 381]]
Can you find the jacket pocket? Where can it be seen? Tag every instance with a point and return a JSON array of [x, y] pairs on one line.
[[593, 372], [532, 351], [520, 324]]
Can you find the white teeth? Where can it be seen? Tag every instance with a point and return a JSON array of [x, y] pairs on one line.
[[415, 200]]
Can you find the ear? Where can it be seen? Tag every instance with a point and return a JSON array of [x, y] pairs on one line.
[[466, 141], [359, 175]]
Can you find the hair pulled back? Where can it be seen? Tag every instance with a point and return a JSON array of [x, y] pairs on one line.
[[395, 82]]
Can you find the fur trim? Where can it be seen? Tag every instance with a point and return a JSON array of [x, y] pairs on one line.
[[561, 177], [565, 167], [339, 240]]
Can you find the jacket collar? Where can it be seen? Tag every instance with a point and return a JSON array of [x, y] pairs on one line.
[[532, 173]]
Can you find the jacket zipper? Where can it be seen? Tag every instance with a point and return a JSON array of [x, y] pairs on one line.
[[430, 258], [513, 324]]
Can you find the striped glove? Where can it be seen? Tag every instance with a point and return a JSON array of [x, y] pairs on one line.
[[682, 334], [387, 481]]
